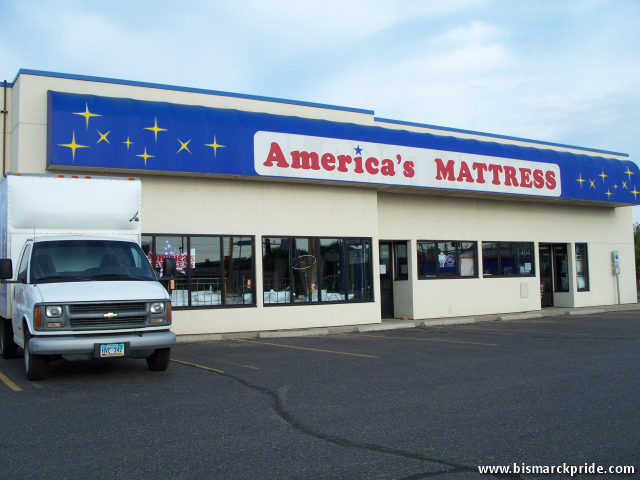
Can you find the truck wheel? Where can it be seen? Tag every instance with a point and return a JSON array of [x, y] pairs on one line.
[[35, 366], [159, 360], [8, 347]]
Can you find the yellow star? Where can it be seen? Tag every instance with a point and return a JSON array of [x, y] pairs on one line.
[[580, 180], [635, 193], [145, 156], [592, 185], [184, 146], [87, 114], [73, 145], [615, 186], [624, 184], [603, 176], [608, 193], [155, 129], [127, 143], [629, 172], [214, 145], [103, 137]]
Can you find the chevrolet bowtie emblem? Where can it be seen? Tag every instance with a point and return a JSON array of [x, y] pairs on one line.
[[110, 315]]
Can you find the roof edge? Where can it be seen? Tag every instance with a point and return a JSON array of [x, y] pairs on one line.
[[133, 83], [493, 135]]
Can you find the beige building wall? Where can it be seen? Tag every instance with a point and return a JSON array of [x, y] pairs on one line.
[[236, 207], [417, 217]]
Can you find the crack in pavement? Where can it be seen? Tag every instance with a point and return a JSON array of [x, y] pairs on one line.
[[279, 409]]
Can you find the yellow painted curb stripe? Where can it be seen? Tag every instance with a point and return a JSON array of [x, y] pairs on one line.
[[304, 348], [197, 366], [423, 339], [10, 384]]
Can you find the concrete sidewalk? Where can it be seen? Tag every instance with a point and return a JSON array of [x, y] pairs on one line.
[[395, 324]]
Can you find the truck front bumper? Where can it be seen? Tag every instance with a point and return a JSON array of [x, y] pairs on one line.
[[81, 344]]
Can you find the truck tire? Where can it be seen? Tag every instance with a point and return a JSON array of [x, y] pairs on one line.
[[8, 347], [159, 360], [35, 366]]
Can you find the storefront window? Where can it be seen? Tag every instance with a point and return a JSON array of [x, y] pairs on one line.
[[360, 285], [490, 261], [426, 259], [238, 270], [446, 259], [582, 267], [305, 269], [322, 269], [210, 270], [205, 272], [331, 265], [506, 259], [174, 247], [525, 258]]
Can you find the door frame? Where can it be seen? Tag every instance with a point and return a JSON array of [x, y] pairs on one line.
[[390, 274], [551, 272]]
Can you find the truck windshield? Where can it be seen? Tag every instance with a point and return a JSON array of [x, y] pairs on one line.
[[88, 260]]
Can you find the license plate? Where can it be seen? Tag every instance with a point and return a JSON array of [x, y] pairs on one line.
[[112, 350]]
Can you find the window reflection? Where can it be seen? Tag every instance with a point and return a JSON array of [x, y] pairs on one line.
[[310, 270], [211, 270], [446, 259], [331, 264], [275, 270]]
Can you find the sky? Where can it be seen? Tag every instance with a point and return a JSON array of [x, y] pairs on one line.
[[559, 71]]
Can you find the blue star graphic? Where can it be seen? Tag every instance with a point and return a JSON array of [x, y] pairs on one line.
[[358, 150]]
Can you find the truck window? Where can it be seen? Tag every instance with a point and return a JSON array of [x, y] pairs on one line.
[[88, 260], [22, 271]]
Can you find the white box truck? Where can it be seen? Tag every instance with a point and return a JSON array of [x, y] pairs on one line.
[[82, 288]]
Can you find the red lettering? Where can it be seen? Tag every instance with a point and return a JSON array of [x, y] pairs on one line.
[[510, 176], [538, 179], [443, 172], [465, 173], [328, 161], [524, 177], [342, 162], [387, 168], [305, 160], [551, 180], [358, 161], [495, 170], [408, 169], [480, 168], [275, 155], [371, 164]]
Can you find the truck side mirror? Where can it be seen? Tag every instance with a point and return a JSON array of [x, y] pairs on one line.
[[169, 267], [6, 269]]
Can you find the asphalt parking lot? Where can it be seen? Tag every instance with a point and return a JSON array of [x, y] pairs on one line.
[[401, 404]]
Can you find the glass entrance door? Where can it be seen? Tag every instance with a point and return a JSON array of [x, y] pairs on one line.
[[386, 280], [546, 276]]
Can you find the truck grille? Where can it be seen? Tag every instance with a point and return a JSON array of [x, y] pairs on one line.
[[107, 307], [104, 322]]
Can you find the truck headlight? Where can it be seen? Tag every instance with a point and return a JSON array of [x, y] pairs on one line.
[[157, 307], [53, 311]]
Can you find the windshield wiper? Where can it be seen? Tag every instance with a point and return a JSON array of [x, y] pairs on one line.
[[116, 276]]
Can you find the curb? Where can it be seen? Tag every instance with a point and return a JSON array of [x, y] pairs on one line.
[[446, 321], [207, 337], [294, 333], [585, 312], [377, 327], [518, 316]]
